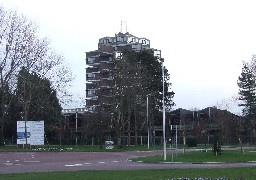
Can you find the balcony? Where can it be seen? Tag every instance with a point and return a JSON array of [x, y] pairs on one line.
[[106, 83], [106, 49], [105, 66]]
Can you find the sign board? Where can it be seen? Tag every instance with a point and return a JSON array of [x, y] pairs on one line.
[[35, 132], [21, 138]]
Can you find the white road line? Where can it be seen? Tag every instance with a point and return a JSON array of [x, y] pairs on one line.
[[8, 164], [78, 164], [101, 162]]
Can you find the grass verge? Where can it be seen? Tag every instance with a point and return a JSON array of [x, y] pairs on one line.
[[248, 173], [201, 157]]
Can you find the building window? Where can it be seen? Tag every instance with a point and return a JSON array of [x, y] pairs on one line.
[[130, 39], [110, 75], [91, 92], [136, 46], [110, 40], [135, 40], [91, 60], [90, 75], [119, 39], [118, 55]]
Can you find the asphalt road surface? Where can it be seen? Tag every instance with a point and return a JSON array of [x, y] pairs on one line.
[[21, 162]]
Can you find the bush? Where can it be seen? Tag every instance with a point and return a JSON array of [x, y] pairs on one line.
[[216, 146], [191, 141]]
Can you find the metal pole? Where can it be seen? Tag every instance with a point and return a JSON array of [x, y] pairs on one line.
[[76, 128], [176, 137], [163, 111], [147, 122], [209, 114], [26, 132]]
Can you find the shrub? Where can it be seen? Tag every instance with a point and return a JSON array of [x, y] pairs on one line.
[[216, 146], [191, 141]]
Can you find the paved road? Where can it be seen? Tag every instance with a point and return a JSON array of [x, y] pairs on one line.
[[20, 162]]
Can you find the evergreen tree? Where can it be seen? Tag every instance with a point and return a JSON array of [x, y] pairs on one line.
[[247, 96], [38, 101], [216, 145]]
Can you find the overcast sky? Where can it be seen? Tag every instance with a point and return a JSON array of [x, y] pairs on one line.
[[203, 42]]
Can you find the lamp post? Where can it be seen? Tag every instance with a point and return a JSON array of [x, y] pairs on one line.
[[162, 60], [147, 121], [158, 54], [76, 128]]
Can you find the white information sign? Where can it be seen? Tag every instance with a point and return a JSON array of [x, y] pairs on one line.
[[35, 132]]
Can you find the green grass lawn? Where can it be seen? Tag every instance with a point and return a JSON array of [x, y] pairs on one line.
[[198, 157], [248, 173]]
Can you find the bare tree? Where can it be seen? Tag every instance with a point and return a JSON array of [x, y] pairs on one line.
[[229, 104], [21, 47]]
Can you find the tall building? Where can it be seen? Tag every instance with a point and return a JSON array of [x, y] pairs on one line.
[[100, 65]]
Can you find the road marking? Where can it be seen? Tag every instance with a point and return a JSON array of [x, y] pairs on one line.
[[101, 162], [78, 164], [72, 165], [8, 164], [31, 161]]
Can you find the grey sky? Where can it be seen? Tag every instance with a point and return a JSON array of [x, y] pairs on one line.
[[203, 42]]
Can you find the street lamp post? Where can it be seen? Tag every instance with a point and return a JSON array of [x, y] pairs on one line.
[[76, 128], [162, 60], [158, 54], [147, 121]]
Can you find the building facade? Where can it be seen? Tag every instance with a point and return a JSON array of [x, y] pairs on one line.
[[206, 123], [101, 63]]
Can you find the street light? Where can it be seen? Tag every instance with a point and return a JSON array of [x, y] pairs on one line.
[[162, 60], [158, 54], [147, 121], [76, 128]]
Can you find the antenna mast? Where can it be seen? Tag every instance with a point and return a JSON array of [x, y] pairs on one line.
[[125, 26], [125, 22], [121, 26]]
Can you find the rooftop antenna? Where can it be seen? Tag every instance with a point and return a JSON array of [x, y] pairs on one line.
[[125, 26], [121, 26], [125, 22]]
